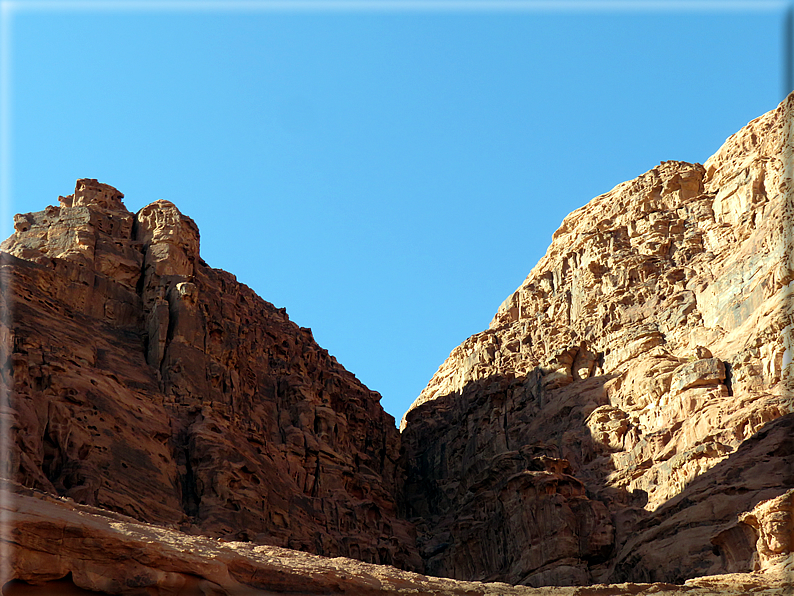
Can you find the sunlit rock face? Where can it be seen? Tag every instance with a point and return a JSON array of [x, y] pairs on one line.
[[633, 397], [147, 383]]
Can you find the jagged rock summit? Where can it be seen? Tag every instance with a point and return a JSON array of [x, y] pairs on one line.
[[633, 396], [147, 383], [624, 425]]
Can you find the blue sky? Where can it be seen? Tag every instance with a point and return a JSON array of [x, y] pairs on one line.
[[389, 175]]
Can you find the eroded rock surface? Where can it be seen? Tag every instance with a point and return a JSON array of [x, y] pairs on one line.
[[633, 397], [147, 383], [65, 548]]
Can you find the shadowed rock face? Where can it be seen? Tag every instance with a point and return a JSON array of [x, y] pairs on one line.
[[627, 402], [147, 383]]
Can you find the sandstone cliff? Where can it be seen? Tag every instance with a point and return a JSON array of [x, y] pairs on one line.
[[147, 383], [633, 397]]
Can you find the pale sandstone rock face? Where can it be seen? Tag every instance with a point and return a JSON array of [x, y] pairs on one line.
[[60, 547], [147, 383], [773, 522], [649, 355]]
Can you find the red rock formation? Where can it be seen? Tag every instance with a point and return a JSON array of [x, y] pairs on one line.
[[633, 396], [147, 383], [627, 417]]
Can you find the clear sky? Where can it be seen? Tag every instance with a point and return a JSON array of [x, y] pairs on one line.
[[388, 173]]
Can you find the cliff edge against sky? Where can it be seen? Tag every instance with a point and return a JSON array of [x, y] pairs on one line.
[[633, 396], [147, 383]]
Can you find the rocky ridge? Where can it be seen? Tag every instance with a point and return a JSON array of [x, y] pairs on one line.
[[147, 383], [633, 396]]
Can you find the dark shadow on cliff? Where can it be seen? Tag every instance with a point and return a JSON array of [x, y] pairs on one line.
[[505, 481], [709, 506], [491, 482]]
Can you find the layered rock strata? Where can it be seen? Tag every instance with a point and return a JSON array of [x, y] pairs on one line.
[[144, 382], [633, 396]]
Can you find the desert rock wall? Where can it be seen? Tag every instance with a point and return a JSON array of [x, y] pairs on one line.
[[645, 349], [147, 383]]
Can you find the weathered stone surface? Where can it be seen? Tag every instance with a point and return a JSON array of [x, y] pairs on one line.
[[60, 547], [706, 372], [147, 383], [650, 353], [773, 523], [698, 532]]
